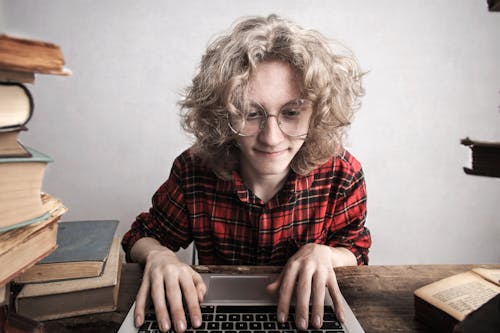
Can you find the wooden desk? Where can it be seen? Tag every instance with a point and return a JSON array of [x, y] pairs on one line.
[[380, 296]]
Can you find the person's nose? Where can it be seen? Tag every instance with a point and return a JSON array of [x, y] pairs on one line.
[[271, 133]]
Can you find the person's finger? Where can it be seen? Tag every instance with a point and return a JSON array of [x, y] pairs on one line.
[[174, 296], [190, 294], [287, 287], [201, 287], [303, 296], [273, 287], [318, 297], [140, 302], [335, 294], [158, 297]]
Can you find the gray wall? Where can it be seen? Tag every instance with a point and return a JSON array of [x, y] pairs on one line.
[[434, 77]]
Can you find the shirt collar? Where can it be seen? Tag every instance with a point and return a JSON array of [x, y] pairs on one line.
[[294, 184]]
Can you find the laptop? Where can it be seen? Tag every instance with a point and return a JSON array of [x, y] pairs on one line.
[[239, 303]]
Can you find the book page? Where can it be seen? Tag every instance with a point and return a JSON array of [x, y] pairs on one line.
[[460, 294], [492, 275]]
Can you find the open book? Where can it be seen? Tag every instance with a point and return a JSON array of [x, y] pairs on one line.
[[446, 302]]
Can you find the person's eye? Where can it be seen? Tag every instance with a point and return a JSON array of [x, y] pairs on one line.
[[291, 112], [254, 113]]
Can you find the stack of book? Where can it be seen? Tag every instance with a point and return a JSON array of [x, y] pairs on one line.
[[28, 217], [81, 277]]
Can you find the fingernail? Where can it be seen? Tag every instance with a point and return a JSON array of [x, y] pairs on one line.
[[137, 321], [281, 317], [302, 324], [164, 325], [317, 321], [196, 321], [181, 327]]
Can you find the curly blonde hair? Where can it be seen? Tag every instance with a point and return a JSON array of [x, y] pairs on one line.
[[331, 79]]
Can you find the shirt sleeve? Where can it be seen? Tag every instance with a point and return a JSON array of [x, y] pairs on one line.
[[167, 219], [349, 215]]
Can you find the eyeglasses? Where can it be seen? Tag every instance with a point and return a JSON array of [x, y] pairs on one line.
[[292, 119]]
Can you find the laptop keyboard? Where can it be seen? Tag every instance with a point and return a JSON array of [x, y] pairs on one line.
[[246, 319]]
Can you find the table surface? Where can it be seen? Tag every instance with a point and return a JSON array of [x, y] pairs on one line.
[[381, 297]]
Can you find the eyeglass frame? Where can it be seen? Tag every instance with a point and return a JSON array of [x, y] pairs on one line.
[[266, 117]]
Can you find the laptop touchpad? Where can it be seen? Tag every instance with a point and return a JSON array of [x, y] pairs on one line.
[[238, 288]]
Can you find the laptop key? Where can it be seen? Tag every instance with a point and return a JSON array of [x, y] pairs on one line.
[[255, 326], [207, 317], [241, 326], [261, 317], [248, 317], [213, 326], [234, 317], [328, 325], [269, 325], [207, 309], [227, 326], [220, 317]]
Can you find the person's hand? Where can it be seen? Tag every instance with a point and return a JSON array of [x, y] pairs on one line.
[[308, 272], [164, 275]]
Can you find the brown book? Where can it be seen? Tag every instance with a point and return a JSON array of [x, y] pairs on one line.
[[15, 76], [53, 300], [11, 322], [4, 295], [10, 145], [16, 106], [76, 256], [21, 179], [21, 248], [444, 303], [28, 55]]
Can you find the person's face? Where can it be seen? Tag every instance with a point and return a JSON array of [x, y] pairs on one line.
[[269, 153]]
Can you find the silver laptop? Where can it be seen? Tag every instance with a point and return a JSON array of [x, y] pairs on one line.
[[238, 303]]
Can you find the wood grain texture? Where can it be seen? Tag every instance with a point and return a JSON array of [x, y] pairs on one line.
[[380, 296]]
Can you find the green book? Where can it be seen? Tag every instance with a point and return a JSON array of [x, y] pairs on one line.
[[83, 247]]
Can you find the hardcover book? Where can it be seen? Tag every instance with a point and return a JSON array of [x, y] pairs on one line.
[[21, 179], [60, 299], [16, 106], [21, 248], [10, 145], [83, 247], [28, 55]]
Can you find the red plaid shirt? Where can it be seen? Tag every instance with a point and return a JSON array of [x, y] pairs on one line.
[[231, 226]]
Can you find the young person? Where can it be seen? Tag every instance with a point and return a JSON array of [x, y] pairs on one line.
[[267, 181]]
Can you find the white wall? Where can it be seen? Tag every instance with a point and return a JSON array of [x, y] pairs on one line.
[[434, 77]]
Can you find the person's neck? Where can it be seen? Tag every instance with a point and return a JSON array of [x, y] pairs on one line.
[[265, 187]]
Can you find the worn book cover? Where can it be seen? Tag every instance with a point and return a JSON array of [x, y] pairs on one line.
[[29, 55], [21, 248], [60, 299], [83, 248]]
